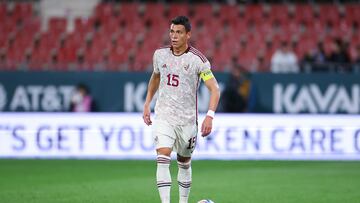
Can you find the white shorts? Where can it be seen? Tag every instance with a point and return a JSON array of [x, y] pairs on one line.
[[181, 139]]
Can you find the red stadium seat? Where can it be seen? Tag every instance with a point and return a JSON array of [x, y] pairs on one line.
[[8, 26], [205, 44], [178, 9], [306, 45], [329, 13], [110, 27], [222, 57], [316, 28], [92, 56], [154, 11], [132, 21], [215, 24], [352, 12], [129, 10], [264, 27], [254, 12], [118, 55], [67, 54], [126, 40], [32, 25], [3, 39], [49, 40], [104, 11], [74, 40], [291, 28], [142, 61], [229, 13], [3, 11], [304, 13], [243, 58], [23, 41], [279, 13], [240, 27], [100, 41], [3, 8], [202, 13], [22, 11], [40, 57], [57, 25], [15, 54], [83, 26]]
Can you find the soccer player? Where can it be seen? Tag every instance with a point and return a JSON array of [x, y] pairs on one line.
[[177, 72]]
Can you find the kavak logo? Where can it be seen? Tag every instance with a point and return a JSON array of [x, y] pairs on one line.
[[164, 66]]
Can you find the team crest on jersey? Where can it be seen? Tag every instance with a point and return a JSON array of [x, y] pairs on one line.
[[187, 67], [164, 66]]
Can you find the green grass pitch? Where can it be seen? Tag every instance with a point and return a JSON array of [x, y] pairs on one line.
[[102, 181]]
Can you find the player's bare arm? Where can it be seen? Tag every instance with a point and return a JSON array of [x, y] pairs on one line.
[[213, 87], [152, 88]]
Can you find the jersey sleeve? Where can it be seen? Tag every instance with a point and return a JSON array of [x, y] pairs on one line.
[[204, 66], [155, 62], [205, 71]]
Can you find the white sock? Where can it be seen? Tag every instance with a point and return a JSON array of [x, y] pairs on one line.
[[184, 180], [163, 177]]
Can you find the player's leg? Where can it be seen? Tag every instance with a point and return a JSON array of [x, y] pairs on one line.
[[163, 177], [164, 141], [186, 140], [184, 178]]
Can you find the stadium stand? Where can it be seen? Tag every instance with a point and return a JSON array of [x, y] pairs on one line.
[[122, 36]]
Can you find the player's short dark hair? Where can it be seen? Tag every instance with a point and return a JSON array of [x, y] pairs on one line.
[[182, 20]]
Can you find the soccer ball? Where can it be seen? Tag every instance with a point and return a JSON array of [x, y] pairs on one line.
[[206, 201]]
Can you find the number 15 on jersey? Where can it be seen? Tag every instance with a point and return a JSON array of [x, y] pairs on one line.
[[173, 80]]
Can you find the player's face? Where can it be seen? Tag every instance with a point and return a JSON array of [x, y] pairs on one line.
[[178, 36]]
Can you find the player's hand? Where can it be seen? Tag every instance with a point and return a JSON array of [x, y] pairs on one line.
[[146, 115], [206, 126]]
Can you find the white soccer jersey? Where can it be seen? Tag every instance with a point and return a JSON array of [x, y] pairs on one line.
[[179, 82]]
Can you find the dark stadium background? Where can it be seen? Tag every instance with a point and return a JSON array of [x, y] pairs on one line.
[[50, 48]]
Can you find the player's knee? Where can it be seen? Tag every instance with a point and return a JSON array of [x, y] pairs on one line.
[[164, 151], [183, 159]]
